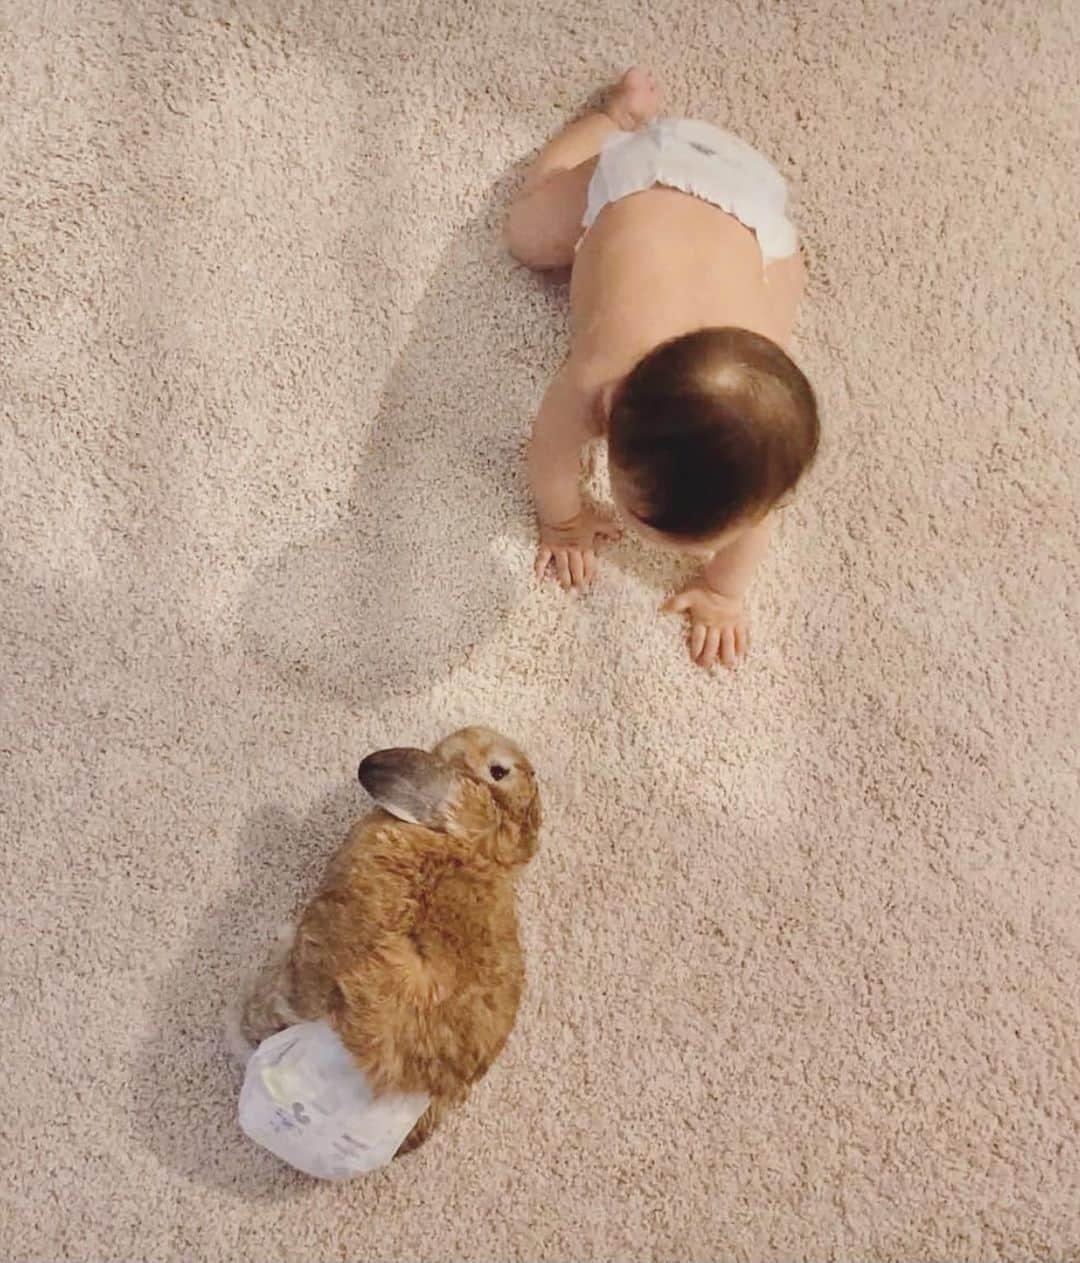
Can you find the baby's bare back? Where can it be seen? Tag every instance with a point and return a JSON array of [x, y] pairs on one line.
[[662, 263]]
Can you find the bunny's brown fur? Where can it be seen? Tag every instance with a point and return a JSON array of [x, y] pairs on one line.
[[410, 948]]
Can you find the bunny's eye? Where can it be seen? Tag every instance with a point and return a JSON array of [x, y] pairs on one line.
[[498, 771]]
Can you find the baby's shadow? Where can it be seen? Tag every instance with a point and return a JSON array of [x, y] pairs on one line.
[[186, 1086], [434, 552]]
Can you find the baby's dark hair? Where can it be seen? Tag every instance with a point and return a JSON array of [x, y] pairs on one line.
[[710, 428]]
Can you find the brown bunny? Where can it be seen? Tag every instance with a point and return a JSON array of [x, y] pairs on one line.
[[410, 948]]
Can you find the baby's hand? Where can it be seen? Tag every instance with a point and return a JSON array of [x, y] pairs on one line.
[[571, 547], [719, 630]]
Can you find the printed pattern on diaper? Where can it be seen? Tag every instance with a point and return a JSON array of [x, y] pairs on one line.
[[306, 1101]]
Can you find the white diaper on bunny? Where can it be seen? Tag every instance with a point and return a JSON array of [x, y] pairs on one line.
[[306, 1100], [704, 161]]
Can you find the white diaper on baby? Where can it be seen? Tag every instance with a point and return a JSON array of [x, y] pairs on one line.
[[704, 161], [306, 1100]]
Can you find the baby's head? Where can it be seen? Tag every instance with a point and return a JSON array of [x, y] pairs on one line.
[[706, 434]]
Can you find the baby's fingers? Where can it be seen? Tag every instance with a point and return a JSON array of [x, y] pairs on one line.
[[742, 640], [588, 556], [712, 647], [577, 568], [543, 560], [697, 640], [562, 568], [727, 647]]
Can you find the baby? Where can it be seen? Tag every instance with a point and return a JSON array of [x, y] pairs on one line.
[[684, 291]]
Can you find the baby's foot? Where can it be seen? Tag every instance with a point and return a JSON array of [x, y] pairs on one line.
[[634, 101]]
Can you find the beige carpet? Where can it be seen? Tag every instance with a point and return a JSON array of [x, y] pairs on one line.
[[803, 943]]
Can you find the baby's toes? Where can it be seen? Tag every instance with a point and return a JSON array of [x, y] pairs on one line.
[[636, 99]]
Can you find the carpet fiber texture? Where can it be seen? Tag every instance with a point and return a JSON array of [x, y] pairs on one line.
[[802, 941]]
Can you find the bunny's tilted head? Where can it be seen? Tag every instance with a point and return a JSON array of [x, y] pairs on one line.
[[476, 785]]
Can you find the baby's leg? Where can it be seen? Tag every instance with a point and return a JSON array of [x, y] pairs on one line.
[[544, 222]]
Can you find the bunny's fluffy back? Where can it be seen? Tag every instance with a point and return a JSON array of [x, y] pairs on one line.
[[411, 950]]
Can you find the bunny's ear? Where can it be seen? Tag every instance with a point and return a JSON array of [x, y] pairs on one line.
[[412, 785]]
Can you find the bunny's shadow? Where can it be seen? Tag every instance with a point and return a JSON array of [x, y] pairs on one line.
[[433, 554], [186, 1085]]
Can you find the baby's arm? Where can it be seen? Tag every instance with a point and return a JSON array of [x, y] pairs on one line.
[[719, 630], [569, 532], [732, 567]]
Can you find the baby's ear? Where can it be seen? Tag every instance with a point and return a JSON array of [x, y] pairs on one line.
[[412, 785], [605, 398]]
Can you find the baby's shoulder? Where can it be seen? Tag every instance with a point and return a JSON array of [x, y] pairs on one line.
[[592, 378]]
